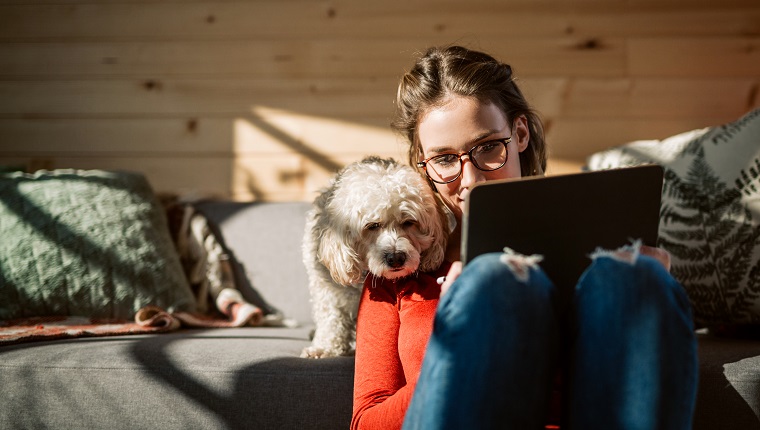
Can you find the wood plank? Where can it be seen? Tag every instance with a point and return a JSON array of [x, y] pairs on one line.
[[117, 136], [559, 166], [691, 3], [357, 101], [266, 132], [695, 57], [233, 58], [270, 131], [661, 20], [380, 58], [196, 176], [663, 98], [257, 58], [163, 20], [545, 95], [576, 139], [226, 97], [277, 20]]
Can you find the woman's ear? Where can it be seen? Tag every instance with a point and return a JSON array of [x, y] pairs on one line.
[[521, 133]]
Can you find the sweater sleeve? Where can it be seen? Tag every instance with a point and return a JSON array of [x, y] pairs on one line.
[[381, 395]]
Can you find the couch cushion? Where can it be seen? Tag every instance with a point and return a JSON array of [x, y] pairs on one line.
[[232, 378], [710, 216], [264, 240], [85, 243], [253, 378]]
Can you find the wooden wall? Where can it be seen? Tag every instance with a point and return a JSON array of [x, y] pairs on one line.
[[265, 99]]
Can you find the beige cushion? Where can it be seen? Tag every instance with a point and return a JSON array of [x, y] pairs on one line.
[[710, 213]]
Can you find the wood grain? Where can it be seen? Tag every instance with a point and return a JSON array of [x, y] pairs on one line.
[[267, 99]]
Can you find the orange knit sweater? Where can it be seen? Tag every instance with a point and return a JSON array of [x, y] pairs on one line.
[[393, 327]]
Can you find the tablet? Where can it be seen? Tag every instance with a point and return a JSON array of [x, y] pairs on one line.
[[564, 218]]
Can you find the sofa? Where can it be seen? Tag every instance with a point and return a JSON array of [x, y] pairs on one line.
[[249, 377], [253, 377]]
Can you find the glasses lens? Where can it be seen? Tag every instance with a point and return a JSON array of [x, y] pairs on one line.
[[443, 168], [489, 155]]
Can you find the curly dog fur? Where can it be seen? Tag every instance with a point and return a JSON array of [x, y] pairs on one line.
[[376, 216]]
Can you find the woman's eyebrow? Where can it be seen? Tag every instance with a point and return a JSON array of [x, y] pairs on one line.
[[441, 150], [450, 149], [485, 134]]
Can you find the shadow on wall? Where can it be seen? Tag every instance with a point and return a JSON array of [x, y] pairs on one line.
[[246, 176], [285, 155]]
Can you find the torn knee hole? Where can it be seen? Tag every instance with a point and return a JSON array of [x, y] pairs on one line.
[[520, 264], [625, 254]]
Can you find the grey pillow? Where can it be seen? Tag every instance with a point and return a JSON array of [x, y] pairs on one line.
[[85, 243], [710, 215]]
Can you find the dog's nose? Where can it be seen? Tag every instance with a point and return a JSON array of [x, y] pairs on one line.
[[395, 259]]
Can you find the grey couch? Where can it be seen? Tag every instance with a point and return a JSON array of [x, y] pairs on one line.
[[253, 377]]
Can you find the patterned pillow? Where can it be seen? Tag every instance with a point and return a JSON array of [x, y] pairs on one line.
[[85, 243], [710, 215]]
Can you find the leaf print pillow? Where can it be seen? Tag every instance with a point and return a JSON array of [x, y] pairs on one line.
[[710, 214]]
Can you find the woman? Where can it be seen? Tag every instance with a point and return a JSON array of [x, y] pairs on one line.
[[492, 346]]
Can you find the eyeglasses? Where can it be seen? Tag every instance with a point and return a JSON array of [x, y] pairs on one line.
[[487, 156]]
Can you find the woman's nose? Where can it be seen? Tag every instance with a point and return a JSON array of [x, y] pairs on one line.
[[470, 174]]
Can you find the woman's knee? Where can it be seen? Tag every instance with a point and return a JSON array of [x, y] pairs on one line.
[[489, 301], [630, 282], [493, 281]]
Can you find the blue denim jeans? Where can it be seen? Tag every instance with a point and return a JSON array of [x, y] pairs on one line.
[[623, 339]]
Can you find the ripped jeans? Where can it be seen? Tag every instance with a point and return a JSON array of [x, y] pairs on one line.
[[624, 343]]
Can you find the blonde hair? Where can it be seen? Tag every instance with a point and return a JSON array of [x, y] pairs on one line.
[[443, 71]]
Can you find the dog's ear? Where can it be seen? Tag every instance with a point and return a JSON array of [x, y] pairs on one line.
[[436, 224], [338, 254]]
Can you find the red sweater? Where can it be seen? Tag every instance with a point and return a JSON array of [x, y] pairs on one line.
[[393, 327]]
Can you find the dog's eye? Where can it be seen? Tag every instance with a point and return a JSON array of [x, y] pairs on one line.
[[409, 223], [372, 226]]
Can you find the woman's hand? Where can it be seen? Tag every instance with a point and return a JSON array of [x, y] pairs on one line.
[[454, 271], [660, 254]]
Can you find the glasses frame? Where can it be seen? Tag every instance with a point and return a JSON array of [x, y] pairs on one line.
[[504, 141]]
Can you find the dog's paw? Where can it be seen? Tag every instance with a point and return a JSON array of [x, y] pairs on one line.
[[313, 352], [317, 352]]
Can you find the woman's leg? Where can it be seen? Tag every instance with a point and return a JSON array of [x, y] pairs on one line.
[[490, 360], [634, 362]]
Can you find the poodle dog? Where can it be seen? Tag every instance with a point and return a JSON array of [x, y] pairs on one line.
[[376, 216]]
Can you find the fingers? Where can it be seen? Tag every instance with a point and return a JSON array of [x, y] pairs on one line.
[[454, 271]]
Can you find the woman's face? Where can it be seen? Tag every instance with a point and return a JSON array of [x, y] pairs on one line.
[[460, 124]]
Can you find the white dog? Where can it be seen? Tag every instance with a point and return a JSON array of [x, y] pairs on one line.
[[375, 216]]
